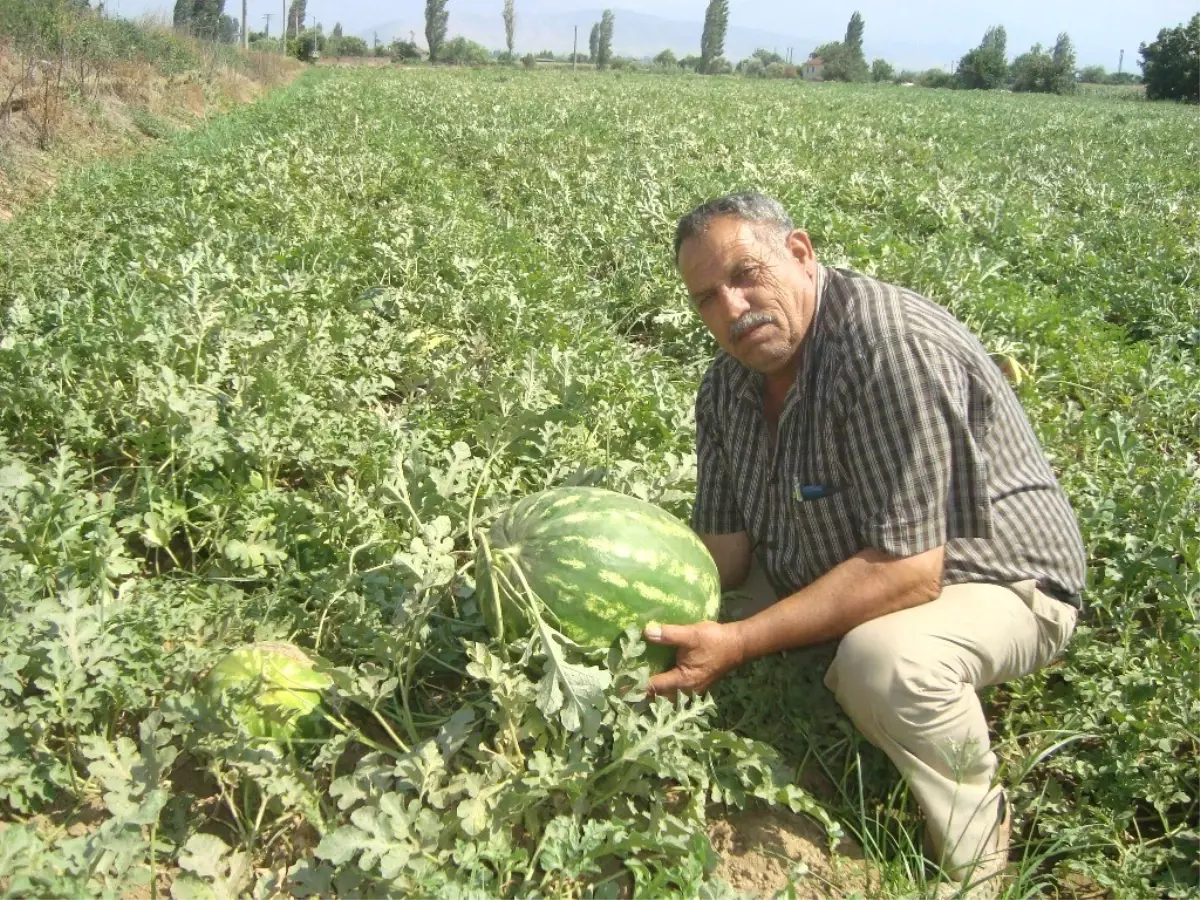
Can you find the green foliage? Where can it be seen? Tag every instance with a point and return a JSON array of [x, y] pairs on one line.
[[882, 70], [347, 45], [1046, 73], [1171, 63], [593, 43], [666, 59], [404, 51], [265, 382], [712, 36], [842, 63], [307, 46], [297, 14], [1093, 75], [462, 52], [437, 20], [985, 68], [528, 61], [604, 39], [854, 36], [510, 26]]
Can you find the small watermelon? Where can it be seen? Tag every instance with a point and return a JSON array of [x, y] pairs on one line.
[[288, 701], [600, 561]]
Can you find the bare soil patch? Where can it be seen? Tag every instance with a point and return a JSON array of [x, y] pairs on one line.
[[762, 849]]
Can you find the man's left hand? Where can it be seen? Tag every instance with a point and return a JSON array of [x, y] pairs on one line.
[[704, 652]]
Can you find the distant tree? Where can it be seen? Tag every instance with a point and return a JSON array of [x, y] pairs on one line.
[[1171, 64], [403, 51], [751, 67], [854, 35], [227, 30], [1062, 61], [985, 67], [594, 42], [766, 57], [1123, 78], [691, 62], [510, 25], [436, 21], [1033, 71], [907, 76], [337, 30], [306, 45], [881, 70], [528, 61], [605, 39], [1093, 75], [666, 58], [182, 17], [712, 38], [297, 13], [462, 52], [351, 45], [936, 78], [840, 63]]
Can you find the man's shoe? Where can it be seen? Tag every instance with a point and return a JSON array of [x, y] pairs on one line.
[[982, 879]]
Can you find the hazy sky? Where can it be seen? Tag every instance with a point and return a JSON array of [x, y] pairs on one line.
[[1100, 29]]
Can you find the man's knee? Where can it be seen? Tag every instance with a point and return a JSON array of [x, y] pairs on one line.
[[881, 670]]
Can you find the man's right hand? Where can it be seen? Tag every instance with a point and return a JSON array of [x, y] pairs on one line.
[[704, 653]]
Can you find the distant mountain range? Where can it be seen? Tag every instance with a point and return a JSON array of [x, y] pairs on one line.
[[636, 34]]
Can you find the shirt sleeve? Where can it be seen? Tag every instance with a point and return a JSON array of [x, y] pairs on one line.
[[716, 510], [920, 477]]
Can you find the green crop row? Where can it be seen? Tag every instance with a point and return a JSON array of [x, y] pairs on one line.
[[266, 382]]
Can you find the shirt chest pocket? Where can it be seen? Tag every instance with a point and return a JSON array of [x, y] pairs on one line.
[[824, 519]]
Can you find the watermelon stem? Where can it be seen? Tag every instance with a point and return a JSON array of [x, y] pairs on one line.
[[483, 476], [485, 544]]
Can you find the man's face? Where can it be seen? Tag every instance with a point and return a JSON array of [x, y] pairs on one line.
[[755, 291]]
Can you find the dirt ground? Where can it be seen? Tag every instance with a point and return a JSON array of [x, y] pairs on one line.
[[127, 106], [761, 850]]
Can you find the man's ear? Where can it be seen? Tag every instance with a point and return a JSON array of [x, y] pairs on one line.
[[800, 247]]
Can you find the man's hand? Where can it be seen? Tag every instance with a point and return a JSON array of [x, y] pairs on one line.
[[704, 652]]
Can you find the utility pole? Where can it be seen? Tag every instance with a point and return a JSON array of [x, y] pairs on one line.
[[245, 29], [1121, 62], [283, 40], [575, 49], [267, 27]]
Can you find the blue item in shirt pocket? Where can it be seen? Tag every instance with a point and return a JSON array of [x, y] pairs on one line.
[[802, 493]]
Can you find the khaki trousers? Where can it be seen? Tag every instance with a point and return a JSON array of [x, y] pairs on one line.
[[908, 682]]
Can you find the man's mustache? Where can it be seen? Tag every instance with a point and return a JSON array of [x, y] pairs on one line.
[[749, 320]]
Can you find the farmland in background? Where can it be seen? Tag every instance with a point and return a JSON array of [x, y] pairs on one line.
[[267, 381]]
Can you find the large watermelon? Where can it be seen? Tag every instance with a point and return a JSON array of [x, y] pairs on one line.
[[284, 684], [600, 561]]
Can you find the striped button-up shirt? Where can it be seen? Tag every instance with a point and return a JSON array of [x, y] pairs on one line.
[[900, 433]]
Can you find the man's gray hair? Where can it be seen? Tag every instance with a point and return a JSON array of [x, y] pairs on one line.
[[758, 209]]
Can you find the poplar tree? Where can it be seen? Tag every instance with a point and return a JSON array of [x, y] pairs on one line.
[[712, 39], [510, 25], [436, 21]]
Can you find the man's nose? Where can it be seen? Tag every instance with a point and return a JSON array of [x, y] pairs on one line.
[[733, 299]]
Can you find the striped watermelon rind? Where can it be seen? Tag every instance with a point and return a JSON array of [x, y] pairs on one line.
[[288, 689], [599, 561]]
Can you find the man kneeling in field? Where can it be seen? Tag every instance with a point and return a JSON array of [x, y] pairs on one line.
[[859, 445]]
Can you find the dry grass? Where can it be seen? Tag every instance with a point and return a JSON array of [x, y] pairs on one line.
[[58, 114]]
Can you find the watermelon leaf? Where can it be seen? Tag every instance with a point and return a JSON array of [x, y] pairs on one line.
[[574, 692]]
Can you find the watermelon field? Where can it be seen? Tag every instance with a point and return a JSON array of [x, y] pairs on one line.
[[269, 381]]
